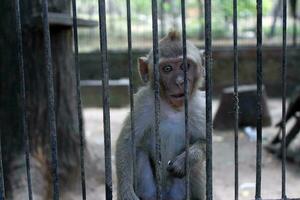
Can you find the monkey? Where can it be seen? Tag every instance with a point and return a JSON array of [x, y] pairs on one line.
[[171, 129]]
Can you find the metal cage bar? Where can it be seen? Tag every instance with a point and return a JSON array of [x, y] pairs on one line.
[[208, 87], [162, 18], [259, 81], [79, 104], [2, 184], [131, 91], [283, 73], [105, 96], [106, 105], [295, 30], [156, 99], [24, 127], [236, 102], [50, 99], [186, 105]]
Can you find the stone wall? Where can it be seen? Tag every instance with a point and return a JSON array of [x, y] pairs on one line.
[[222, 68]]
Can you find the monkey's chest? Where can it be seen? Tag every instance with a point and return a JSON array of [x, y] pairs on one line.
[[172, 134]]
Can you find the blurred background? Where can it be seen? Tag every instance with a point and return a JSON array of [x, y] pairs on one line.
[[169, 17], [222, 33]]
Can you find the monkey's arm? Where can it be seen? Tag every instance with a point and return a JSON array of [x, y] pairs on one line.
[[196, 154], [124, 166]]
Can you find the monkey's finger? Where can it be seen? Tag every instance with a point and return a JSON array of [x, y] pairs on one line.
[[170, 163], [178, 173], [175, 171], [170, 168]]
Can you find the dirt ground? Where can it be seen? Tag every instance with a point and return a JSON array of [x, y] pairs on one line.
[[223, 159]]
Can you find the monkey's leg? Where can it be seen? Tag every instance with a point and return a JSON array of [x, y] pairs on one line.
[[196, 154], [124, 167], [146, 189], [197, 185], [177, 190], [18, 179], [198, 181]]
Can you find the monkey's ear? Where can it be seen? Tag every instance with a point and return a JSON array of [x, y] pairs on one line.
[[143, 69]]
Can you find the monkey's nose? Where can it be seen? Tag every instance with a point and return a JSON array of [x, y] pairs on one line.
[[179, 80]]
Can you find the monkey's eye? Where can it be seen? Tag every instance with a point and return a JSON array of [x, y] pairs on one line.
[[167, 68], [182, 66]]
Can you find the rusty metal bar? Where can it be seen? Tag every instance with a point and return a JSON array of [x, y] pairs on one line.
[[156, 99], [295, 30], [236, 101], [283, 73], [105, 96], [131, 91], [50, 99], [208, 87], [162, 18], [24, 127], [259, 81], [2, 184], [79, 105], [186, 105]]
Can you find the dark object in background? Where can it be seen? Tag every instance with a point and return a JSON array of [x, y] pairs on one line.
[[224, 118], [293, 5], [292, 111], [12, 145]]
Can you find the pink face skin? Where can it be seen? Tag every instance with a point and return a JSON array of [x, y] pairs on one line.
[[172, 80]]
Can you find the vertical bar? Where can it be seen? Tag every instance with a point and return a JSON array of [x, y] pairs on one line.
[[236, 102], [259, 100], [79, 105], [295, 30], [283, 73], [24, 127], [162, 18], [156, 99], [2, 185], [186, 105], [105, 89], [208, 83], [50, 98], [131, 91]]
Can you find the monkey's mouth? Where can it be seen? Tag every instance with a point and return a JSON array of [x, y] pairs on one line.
[[178, 96], [177, 99]]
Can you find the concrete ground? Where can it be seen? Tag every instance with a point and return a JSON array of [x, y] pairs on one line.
[[223, 159]]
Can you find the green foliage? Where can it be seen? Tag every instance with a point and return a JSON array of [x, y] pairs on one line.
[[245, 7], [141, 16], [141, 6]]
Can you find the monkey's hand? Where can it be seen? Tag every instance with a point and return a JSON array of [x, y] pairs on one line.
[[177, 166], [196, 154]]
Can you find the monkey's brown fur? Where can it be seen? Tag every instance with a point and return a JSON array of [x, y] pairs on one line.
[[171, 128]]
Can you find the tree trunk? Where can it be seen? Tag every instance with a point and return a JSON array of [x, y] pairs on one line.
[[35, 76], [224, 118]]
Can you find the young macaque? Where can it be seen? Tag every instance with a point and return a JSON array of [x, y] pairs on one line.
[[172, 128]]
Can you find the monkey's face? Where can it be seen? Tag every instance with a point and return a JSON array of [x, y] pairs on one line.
[[172, 80]]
